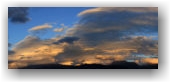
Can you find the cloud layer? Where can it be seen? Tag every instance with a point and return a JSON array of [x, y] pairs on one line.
[[117, 30]]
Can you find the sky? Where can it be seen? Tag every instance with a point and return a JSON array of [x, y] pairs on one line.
[[40, 16], [82, 35]]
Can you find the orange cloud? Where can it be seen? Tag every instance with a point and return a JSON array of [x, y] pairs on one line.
[[150, 60], [92, 61], [15, 65], [40, 27], [32, 51], [66, 63], [111, 57]]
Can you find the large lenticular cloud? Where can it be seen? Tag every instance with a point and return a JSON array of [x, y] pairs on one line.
[[107, 24]]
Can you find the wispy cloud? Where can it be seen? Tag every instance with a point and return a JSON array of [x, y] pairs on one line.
[[60, 29], [41, 27]]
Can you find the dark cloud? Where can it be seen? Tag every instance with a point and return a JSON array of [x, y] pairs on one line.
[[9, 44], [72, 50], [77, 54], [10, 52], [69, 40], [70, 53], [18, 14]]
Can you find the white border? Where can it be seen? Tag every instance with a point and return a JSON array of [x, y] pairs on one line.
[[159, 75]]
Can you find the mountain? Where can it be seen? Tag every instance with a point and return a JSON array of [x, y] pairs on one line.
[[114, 65]]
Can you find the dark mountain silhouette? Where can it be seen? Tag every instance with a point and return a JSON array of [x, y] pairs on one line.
[[114, 65]]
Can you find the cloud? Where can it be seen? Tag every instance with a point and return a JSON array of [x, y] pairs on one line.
[[28, 41], [111, 57], [9, 44], [70, 52], [32, 45], [26, 61], [99, 25], [66, 63], [145, 45], [10, 52], [119, 9], [69, 40], [32, 50], [18, 14], [41, 27], [150, 60], [40, 30], [60, 29], [15, 65], [139, 44], [111, 32], [76, 54]]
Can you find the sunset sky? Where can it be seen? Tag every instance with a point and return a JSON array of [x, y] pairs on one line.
[[82, 35]]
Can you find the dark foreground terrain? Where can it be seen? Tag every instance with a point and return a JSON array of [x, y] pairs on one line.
[[115, 65]]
